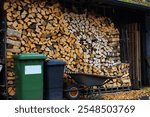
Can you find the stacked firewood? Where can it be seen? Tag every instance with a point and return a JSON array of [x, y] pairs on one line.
[[86, 43], [119, 70], [98, 37], [99, 40]]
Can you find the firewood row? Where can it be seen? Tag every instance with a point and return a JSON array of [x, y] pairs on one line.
[[119, 70], [86, 43], [98, 38]]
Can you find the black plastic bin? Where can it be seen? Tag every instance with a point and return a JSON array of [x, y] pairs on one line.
[[53, 79]]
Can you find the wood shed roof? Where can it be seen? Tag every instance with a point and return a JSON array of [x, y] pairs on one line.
[[115, 3]]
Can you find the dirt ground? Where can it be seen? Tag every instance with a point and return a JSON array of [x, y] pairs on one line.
[[142, 94]]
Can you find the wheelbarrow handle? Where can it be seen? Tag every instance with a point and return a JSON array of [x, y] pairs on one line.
[[125, 75], [69, 76]]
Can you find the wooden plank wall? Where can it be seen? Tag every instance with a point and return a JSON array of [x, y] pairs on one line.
[[135, 54]]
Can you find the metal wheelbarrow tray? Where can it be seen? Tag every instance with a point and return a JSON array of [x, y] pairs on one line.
[[84, 83], [91, 79]]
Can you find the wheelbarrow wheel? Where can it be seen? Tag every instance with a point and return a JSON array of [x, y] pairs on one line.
[[73, 92]]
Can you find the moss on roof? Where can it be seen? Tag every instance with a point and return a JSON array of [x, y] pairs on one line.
[[141, 2]]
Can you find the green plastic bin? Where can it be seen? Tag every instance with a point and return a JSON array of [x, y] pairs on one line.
[[29, 76]]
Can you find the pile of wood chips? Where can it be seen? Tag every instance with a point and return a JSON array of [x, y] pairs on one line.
[[127, 95]]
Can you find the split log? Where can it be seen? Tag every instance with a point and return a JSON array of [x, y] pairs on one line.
[[15, 43]]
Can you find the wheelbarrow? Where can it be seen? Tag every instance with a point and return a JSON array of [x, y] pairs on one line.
[[84, 84]]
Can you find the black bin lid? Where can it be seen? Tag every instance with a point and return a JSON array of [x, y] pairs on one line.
[[55, 62]]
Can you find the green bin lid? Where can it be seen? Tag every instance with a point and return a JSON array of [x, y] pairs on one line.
[[28, 56]]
